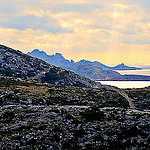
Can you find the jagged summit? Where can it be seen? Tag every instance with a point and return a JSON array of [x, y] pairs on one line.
[[58, 54], [57, 59], [35, 51], [93, 70]]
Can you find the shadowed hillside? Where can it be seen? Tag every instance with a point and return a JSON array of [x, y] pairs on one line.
[[14, 63]]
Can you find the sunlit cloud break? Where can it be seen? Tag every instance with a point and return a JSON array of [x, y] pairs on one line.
[[111, 32]]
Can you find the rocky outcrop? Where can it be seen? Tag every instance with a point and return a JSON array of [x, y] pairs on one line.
[[124, 67]]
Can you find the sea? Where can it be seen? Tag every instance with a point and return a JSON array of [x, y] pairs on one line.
[[130, 84]]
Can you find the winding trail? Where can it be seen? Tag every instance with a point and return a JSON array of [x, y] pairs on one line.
[[130, 100], [121, 92]]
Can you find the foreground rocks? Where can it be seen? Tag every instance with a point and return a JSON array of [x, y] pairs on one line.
[[67, 127], [35, 115]]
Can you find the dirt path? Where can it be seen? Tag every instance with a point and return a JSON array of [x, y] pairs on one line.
[[126, 97]]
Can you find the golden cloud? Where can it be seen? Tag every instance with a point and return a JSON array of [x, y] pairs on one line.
[[110, 34]]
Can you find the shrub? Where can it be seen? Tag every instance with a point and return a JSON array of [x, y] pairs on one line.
[[93, 115]]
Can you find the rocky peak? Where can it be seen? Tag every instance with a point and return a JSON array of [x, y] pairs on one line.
[[58, 56], [122, 65], [37, 53]]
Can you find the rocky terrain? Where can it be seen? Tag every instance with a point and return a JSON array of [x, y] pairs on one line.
[[17, 64], [14, 92], [36, 115], [70, 127]]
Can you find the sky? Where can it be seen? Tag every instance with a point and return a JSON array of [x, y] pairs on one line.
[[108, 31]]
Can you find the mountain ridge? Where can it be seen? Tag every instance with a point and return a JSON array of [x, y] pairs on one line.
[[14, 63], [66, 63], [92, 70]]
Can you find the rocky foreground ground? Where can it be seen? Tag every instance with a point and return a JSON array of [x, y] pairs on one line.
[[44, 116], [73, 127]]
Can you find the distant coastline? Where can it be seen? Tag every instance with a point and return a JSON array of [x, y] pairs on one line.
[[143, 71], [127, 84]]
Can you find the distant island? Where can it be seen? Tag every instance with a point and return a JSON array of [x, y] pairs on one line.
[[92, 70]]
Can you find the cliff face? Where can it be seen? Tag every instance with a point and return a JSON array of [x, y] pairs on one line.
[[17, 64]]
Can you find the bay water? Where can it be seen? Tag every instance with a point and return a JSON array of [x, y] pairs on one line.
[[130, 84]]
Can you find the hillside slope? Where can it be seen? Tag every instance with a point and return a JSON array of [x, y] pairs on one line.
[[95, 73], [17, 64]]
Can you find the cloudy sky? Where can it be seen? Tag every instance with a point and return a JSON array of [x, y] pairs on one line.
[[109, 31]]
